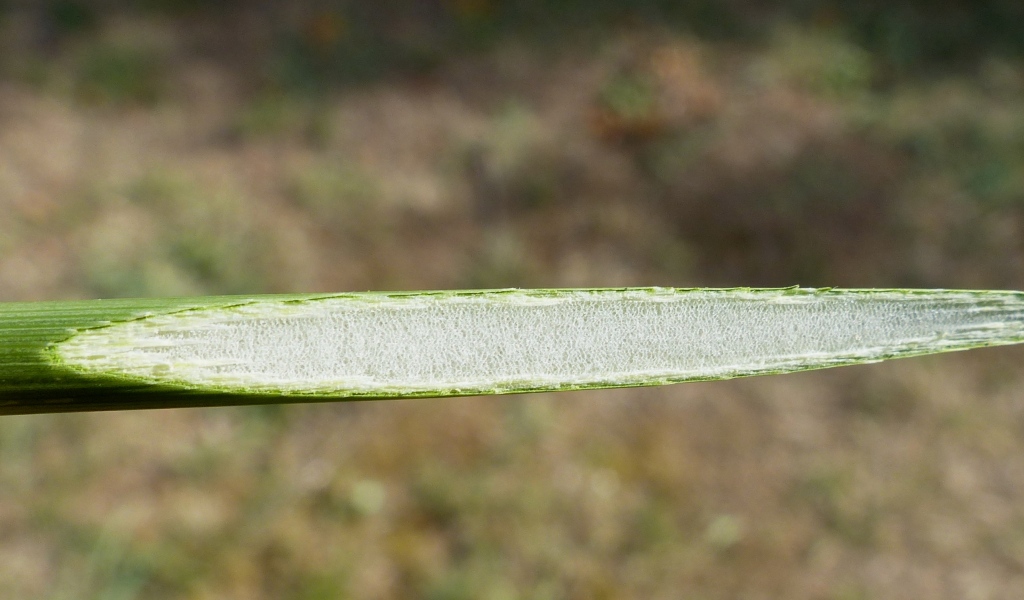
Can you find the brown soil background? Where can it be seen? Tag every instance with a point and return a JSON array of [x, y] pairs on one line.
[[169, 148]]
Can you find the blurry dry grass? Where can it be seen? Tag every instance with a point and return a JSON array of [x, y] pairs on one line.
[[654, 159]]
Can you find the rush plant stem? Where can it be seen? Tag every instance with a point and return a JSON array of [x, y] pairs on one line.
[[154, 353]]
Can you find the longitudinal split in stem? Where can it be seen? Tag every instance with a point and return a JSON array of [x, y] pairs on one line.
[[520, 340], [148, 353]]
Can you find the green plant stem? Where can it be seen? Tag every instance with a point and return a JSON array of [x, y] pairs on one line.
[[158, 353]]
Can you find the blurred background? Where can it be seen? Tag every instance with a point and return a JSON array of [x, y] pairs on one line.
[[181, 147]]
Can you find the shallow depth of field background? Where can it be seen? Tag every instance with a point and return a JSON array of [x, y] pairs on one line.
[[167, 147]]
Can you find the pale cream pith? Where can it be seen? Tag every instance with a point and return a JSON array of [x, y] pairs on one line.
[[507, 341]]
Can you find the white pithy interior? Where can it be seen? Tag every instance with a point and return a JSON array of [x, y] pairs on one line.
[[506, 341]]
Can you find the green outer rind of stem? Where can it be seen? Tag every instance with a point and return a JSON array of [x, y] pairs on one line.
[[34, 380]]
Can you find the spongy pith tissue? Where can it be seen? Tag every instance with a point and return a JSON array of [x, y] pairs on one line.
[[521, 340]]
